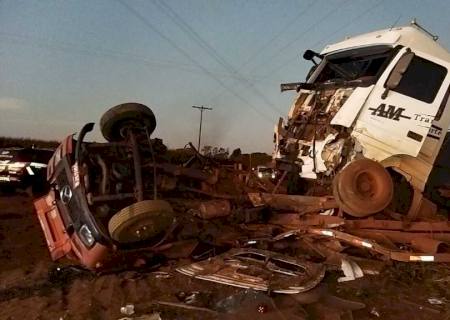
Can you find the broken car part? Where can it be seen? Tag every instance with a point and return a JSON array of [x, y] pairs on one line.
[[214, 209], [300, 204], [259, 270]]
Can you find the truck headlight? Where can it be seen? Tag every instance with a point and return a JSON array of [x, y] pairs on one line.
[[86, 236], [273, 175], [260, 175]]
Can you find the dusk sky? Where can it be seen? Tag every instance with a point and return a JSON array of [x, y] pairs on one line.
[[64, 62]]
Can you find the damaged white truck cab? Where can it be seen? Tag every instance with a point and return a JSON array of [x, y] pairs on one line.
[[373, 113]]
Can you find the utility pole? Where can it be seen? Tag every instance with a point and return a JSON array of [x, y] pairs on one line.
[[202, 108]]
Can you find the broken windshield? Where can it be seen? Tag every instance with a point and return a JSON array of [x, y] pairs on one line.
[[356, 64]]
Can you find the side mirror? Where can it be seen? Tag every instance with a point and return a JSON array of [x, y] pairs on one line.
[[309, 55], [397, 73]]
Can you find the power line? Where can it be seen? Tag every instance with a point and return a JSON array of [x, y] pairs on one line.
[[149, 25], [287, 62], [290, 43], [279, 33], [211, 51], [102, 53], [271, 40], [333, 10]]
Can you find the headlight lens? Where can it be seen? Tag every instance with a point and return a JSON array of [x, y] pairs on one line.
[[260, 175], [86, 236], [273, 175]]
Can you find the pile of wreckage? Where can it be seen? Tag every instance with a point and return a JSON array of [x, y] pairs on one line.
[[351, 193], [235, 227]]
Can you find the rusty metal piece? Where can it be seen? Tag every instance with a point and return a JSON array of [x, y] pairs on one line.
[[419, 204], [400, 236], [105, 174], [214, 209], [331, 249], [426, 210], [258, 270], [184, 306], [206, 193], [427, 245], [369, 266], [178, 249], [300, 204], [371, 245], [137, 166], [168, 183], [294, 220], [438, 226], [363, 188], [192, 173]]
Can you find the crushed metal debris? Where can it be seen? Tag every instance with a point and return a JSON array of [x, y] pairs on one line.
[[350, 189]]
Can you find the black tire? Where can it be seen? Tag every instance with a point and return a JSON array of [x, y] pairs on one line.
[[125, 115]]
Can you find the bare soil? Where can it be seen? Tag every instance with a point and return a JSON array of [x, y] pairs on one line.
[[32, 288]]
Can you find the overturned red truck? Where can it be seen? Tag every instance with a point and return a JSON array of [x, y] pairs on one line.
[[104, 203]]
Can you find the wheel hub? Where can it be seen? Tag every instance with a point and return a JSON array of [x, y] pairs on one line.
[[363, 187]]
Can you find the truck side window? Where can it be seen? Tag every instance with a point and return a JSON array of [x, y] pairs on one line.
[[422, 80]]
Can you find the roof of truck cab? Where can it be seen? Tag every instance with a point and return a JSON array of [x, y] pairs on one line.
[[409, 36]]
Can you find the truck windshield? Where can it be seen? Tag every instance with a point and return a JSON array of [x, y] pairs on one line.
[[364, 64]]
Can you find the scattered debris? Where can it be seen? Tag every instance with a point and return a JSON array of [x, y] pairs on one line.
[[153, 316], [351, 271], [374, 311], [184, 306], [277, 229], [128, 309], [259, 270], [436, 301], [161, 275], [214, 209]]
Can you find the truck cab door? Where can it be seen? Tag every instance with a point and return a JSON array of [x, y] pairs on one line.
[[399, 112]]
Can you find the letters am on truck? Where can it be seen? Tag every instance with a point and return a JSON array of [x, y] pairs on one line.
[[371, 123]]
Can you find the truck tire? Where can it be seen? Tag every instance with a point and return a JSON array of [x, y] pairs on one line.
[[126, 115], [363, 187], [141, 221]]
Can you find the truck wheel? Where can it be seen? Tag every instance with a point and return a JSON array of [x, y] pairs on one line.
[[127, 115], [141, 221], [363, 188]]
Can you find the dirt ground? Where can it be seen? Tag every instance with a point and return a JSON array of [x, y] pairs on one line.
[[32, 288]]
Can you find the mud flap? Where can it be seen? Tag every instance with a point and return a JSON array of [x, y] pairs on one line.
[[57, 239]]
